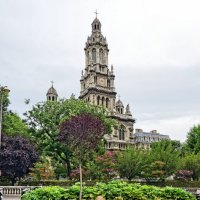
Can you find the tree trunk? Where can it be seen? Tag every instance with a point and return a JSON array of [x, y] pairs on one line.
[[13, 181], [68, 167], [81, 181]]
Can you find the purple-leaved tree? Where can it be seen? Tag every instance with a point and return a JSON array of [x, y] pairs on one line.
[[82, 134], [17, 155]]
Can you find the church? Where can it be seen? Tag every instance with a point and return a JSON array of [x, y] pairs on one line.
[[98, 88]]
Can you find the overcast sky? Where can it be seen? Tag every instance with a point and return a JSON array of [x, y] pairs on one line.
[[154, 48]]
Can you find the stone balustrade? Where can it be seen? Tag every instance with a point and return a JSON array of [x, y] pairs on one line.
[[14, 190]]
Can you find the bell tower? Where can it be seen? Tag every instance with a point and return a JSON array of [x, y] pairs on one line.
[[97, 88], [97, 79]]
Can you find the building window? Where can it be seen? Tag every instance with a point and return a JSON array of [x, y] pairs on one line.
[[101, 56], [103, 99], [107, 102], [108, 83], [95, 79], [121, 133], [98, 100], [94, 55]]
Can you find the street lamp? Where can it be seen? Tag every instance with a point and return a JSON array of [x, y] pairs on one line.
[[3, 89]]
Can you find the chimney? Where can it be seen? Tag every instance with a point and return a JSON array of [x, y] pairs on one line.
[[154, 131]]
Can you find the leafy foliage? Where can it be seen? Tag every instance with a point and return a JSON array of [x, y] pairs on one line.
[[132, 163], [13, 125], [191, 162], [42, 171], [167, 153], [82, 134], [103, 167], [16, 157], [44, 121], [193, 139], [113, 190]]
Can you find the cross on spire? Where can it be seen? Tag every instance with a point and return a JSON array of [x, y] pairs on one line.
[[52, 83], [96, 13]]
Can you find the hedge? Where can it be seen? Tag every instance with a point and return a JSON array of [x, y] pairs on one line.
[[110, 191], [67, 183]]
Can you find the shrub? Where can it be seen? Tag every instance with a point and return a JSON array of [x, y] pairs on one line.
[[45, 193], [111, 191]]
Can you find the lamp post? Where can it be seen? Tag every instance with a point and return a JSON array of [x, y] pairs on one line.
[[3, 89]]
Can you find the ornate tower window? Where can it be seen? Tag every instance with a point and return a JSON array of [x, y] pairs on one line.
[[121, 133], [101, 56], [94, 55], [95, 80], [108, 83]]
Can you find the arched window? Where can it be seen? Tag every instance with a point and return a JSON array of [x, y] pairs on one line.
[[108, 83], [98, 100], [121, 133], [107, 102], [95, 79], [101, 56], [94, 55], [53, 98], [103, 99]]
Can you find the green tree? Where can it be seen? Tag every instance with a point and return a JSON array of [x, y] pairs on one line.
[[102, 167], [191, 162], [166, 152], [132, 163], [14, 125], [193, 139], [44, 121], [42, 170]]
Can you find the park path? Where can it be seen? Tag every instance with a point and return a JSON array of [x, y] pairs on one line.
[[11, 198]]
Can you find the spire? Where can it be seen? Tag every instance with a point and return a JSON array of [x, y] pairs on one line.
[[96, 24], [128, 112], [96, 13]]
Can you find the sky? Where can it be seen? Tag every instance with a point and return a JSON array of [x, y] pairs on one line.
[[154, 48]]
